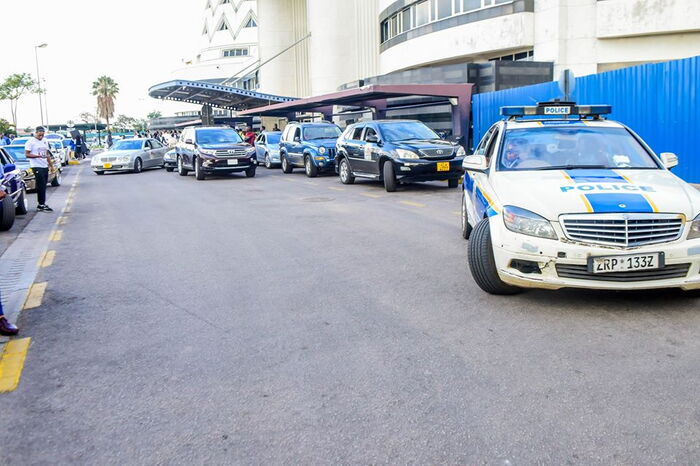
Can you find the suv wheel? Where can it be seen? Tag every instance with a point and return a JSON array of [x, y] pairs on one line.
[[389, 177], [198, 172], [181, 170], [250, 173], [482, 263], [286, 166], [310, 168], [7, 213], [466, 227], [345, 172]]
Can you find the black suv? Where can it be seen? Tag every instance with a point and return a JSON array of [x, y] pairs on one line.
[[210, 150], [397, 151]]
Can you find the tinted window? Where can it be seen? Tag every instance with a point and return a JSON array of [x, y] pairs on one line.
[[550, 148], [16, 152], [321, 132], [273, 138], [218, 136], [127, 144], [406, 131], [156, 144], [357, 133], [370, 132]]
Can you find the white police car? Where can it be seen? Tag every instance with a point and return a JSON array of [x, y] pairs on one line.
[[576, 201]]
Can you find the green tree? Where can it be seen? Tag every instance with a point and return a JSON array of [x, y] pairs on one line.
[[6, 127], [125, 122], [106, 90], [15, 86], [154, 114], [141, 125]]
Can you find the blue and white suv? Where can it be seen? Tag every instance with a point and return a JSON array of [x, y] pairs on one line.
[[310, 146]]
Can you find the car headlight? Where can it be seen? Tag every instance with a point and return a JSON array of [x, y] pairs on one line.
[[321, 150], [406, 154], [461, 152], [695, 229], [527, 223]]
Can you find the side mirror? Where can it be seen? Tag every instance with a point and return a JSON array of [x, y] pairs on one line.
[[669, 159], [9, 167], [188, 141], [297, 139], [373, 139], [476, 163]]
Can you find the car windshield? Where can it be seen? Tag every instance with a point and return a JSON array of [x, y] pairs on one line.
[[321, 132], [17, 152], [20, 140], [273, 138], [218, 136], [550, 148], [131, 144], [54, 136], [406, 131], [57, 145]]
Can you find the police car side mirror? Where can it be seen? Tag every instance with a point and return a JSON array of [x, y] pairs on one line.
[[372, 139], [669, 159], [297, 139], [475, 163], [188, 141], [9, 167]]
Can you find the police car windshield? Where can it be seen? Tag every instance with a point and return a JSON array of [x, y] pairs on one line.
[[17, 152], [407, 131], [218, 136], [321, 132], [553, 148]]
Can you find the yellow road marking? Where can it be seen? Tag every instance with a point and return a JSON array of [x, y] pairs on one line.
[[336, 188], [61, 220], [35, 296], [651, 203], [12, 363], [47, 259], [66, 210], [56, 235], [412, 204], [373, 196], [588, 205]]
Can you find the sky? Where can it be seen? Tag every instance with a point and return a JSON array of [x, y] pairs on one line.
[[137, 43]]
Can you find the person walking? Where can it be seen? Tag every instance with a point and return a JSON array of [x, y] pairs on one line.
[[39, 155]]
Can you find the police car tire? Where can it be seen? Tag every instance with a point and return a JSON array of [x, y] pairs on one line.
[[7, 213], [482, 263], [21, 208], [466, 227], [286, 166], [389, 177], [348, 178], [310, 168]]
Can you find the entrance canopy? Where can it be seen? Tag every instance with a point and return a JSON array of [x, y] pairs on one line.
[[214, 95], [375, 97]]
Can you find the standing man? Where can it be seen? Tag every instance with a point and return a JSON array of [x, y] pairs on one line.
[[37, 151]]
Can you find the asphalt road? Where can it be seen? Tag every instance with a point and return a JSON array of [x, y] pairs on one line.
[[286, 320]]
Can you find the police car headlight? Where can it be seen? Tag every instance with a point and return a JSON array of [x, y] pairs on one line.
[[406, 154], [461, 152], [527, 223], [695, 229], [321, 150]]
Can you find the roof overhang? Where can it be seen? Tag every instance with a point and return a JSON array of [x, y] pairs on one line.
[[216, 95]]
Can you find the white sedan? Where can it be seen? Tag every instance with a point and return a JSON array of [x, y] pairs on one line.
[[576, 201], [133, 155]]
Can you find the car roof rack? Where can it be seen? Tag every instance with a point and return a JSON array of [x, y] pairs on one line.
[[556, 108]]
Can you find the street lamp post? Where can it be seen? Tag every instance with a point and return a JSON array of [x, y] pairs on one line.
[[46, 104], [38, 78]]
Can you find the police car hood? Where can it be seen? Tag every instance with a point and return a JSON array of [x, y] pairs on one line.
[[551, 193]]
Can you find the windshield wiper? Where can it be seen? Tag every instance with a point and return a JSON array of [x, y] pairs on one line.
[[574, 167]]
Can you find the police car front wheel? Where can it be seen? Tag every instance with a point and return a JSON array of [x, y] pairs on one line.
[[482, 263]]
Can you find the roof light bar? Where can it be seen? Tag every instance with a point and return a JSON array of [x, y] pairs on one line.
[[556, 109]]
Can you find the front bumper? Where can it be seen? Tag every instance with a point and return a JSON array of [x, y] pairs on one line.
[[326, 165], [170, 163], [212, 166], [427, 170], [115, 167], [548, 254]]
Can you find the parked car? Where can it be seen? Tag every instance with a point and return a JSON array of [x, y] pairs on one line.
[[576, 201], [310, 146], [132, 155], [214, 150], [12, 184], [59, 151], [267, 147], [397, 151], [20, 140], [18, 155], [170, 160]]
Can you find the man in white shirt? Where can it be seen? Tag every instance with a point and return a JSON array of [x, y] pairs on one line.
[[39, 155]]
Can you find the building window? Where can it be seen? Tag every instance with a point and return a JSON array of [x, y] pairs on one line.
[[421, 13], [442, 9], [470, 5], [223, 26], [251, 23], [520, 56], [237, 52]]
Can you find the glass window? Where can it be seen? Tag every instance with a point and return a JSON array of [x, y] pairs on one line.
[[407, 131], [223, 27], [385, 31], [357, 133], [217, 136], [393, 26], [565, 147], [321, 132], [273, 138], [16, 152], [297, 134], [421, 13], [370, 132], [251, 23], [443, 8], [128, 144], [405, 20], [469, 5]]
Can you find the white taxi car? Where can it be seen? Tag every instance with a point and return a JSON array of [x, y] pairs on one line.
[[556, 196]]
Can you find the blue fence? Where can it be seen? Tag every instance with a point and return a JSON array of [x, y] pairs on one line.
[[661, 102]]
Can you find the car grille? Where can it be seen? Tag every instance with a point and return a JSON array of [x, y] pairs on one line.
[[331, 153], [230, 152], [581, 272], [107, 159], [437, 153], [625, 230]]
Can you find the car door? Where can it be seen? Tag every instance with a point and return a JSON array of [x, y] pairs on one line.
[[353, 147], [260, 147], [370, 150], [157, 152], [295, 145], [188, 146], [476, 182]]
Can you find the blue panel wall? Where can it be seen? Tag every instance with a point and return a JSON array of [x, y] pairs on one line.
[[661, 102]]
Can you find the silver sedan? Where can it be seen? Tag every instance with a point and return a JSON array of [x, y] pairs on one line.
[[132, 155]]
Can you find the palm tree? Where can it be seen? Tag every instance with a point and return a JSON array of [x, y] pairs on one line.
[[106, 91]]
